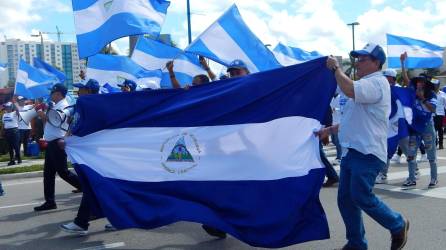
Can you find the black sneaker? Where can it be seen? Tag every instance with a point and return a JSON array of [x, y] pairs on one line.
[[399, 239], [19, 161], [433, 183], [45, 206], [11, 163], [409, 183], [214, 232]]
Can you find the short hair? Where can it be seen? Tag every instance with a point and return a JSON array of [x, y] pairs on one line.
[[203, 78]]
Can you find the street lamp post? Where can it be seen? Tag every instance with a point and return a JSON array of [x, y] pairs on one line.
[[353, 39], [41, 45], [189, 32]]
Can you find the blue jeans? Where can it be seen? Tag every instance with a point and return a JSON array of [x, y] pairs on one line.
[[355, 193], [403, 144], [428, 137], [335, 140], [330, 172]]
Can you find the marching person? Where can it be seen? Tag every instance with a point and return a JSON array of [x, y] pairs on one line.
[[363, 135], [197, 80], [90, 87], [10, 121], [24, 127], [439, 112], [55, 157]]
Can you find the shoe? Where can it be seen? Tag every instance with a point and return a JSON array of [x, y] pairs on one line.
[[381, 179], [214, 232], [423, 158], [330, 182], [72, 228], [396, 159], [19, 161], [433, 183], [45, 206], [109, 228], [399, 239], [11, 163], [440, 147], [2, 193], [409, 183]]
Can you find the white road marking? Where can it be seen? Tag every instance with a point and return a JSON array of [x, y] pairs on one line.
[[104, 246], [21, 205]]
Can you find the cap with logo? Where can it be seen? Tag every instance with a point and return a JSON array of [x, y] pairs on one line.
[[372, 50], [237, 64]]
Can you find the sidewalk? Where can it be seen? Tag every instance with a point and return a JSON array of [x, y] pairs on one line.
[[25, 163]]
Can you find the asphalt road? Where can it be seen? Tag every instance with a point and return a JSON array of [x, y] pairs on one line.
[[22, 228]]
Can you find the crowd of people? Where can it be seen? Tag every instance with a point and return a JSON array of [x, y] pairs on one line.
[[357, 125]]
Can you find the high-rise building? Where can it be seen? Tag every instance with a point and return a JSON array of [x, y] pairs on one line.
[[62, 55]]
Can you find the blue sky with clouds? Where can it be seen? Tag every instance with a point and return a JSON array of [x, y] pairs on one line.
[[309, 24]]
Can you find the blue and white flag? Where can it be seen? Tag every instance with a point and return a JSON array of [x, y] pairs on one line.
[[107, 89], [31, 82], [421, 54], [243, 161], [228, 39], [3, 66], [153, 55], [115, 69], [400, 116], [98, 22], [289, 55], [49, 70]]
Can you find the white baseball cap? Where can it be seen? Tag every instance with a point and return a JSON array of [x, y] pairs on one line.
[[389, 72]]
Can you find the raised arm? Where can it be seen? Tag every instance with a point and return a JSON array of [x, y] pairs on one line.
[[344, 82], [404, 74], [206, 67], [173, 79]]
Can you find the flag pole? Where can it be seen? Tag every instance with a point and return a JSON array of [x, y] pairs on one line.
[[189, 33]]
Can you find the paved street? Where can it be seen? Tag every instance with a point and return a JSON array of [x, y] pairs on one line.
[[21, 228]]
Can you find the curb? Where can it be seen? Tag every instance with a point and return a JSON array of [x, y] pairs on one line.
[[34, 174]]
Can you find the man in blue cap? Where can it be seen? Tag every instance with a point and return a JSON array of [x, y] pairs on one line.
[[55, 157], [90, 87], [127, 86], [363, 135], [237, 68]]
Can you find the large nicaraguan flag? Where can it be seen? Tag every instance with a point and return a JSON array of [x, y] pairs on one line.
[[98, 22], [32, 83], [228, 39], [48, 69], [153, 55], [400, 116], [287, 55], [421, 54], [115, 69], [239, 155]]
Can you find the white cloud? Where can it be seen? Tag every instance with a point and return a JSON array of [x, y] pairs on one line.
[[377, 2]]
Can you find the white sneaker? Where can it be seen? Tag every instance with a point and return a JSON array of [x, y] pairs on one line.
[[72, 228], [396, 159], [381, 179], [423, 158]]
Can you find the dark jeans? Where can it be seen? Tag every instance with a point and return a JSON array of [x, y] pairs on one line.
[[438, 123], [24, 137], [330, 172], [12, 137], [355, 194], [83, 214], [56, 162]]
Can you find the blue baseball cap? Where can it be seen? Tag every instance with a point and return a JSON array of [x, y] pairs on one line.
[[237, 64], [91, 84], [130, 83], [372, 50], [59, 87]]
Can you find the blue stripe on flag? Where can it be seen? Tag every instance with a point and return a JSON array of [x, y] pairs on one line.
[[41, 80], [234, 101], [416, 62], [401, 40]]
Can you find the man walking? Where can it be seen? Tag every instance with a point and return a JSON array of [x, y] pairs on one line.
[[363, 133]]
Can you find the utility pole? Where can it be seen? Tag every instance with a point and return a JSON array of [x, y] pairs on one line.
[[189, 32], [353, 39]]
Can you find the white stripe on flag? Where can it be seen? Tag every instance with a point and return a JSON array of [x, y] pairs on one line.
[[262, 151], [188, 68], [96, 15], [22, 77], [286, 60], [148, 61], [221, 44], [412, 51]]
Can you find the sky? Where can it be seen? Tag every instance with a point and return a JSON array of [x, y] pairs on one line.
[[319, 25]]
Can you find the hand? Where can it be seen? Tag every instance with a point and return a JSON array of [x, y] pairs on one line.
[[332, 63], [403, 57], [323, 133], [203, 62], [169, 66], [40, 106]]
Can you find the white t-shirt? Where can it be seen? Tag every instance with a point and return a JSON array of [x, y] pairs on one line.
[[364, 120], [50, 132], [22, 123], [441, 101], [10, 120]]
